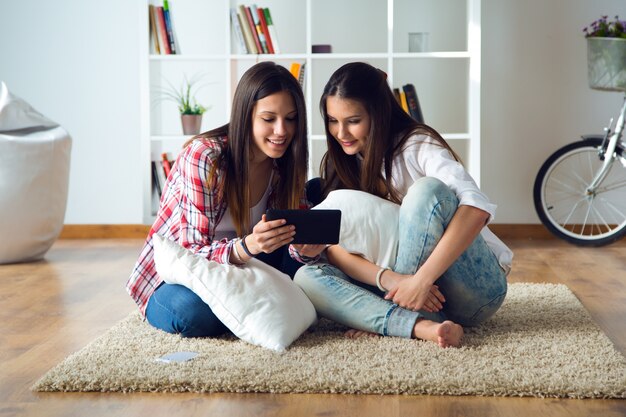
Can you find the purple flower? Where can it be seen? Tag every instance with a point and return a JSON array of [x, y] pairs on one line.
[[603, 28]]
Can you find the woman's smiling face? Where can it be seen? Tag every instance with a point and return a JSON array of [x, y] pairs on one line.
[[349, 123], [274, 122]]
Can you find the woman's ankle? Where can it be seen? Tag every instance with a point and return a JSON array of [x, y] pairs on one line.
[[446, 334]]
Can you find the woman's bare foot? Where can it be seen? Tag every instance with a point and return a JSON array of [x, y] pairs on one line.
[[446, 334], [356, 333]]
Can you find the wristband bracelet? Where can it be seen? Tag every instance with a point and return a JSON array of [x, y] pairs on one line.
[[245, 247], [237, 256], [378, 275]]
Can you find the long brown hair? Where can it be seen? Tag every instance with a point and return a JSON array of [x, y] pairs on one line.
[[259, 81], [390, 127]]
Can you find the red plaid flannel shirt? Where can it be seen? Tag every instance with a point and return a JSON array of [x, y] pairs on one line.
[[189, 211]]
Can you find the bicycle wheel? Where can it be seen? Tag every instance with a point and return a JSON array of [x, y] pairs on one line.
[[567, 209]]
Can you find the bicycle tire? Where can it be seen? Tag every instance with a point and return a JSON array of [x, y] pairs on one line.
[[563, 204]]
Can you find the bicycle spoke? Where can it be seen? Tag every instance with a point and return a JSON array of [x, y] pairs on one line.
[[584, 223], [565, 186], [566, 205], [590, 163], [620, 215], [569, 170], [599, 215], [571, 213], [611, 187]]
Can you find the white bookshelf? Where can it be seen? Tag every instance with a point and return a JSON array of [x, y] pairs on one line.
[[446, 77]]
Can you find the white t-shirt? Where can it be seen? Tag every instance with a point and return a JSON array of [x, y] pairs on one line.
[[421, 156]]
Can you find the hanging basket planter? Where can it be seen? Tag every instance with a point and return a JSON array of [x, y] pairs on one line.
[[606, 63]]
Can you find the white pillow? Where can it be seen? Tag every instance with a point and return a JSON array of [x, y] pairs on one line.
[[369, 225], [258, 303]]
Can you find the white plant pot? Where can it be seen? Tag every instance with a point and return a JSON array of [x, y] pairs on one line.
[[191, 123]]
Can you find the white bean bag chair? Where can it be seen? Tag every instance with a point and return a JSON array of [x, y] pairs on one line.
[[34, 177]]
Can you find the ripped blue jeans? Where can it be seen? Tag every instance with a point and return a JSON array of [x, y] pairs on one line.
[[474, 286]]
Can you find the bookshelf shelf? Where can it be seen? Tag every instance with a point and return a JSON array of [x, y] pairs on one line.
[[267, 57], [418, 55], [199, 57], [446, 75], [169, 138]]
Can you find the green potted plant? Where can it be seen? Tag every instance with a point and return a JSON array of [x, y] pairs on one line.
[[606, 54], [185, 98]]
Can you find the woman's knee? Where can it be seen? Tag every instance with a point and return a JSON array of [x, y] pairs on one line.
[[430, 193], [308, 278], [176, 309], [427, 209], [430, 186], [320, 282]]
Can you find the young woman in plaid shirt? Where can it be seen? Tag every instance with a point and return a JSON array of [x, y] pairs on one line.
[[217, 191]]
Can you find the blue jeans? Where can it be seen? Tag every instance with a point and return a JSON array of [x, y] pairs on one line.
[[176, 309], [474, 286]]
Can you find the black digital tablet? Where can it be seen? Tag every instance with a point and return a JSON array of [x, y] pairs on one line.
[[312, 226]]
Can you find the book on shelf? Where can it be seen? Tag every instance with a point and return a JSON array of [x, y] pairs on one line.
[[254, 29], [160, 172], [235, 23], [413, 103], [301, 75], [169, 27], [156, 190], [268, 39], [154, 37], [156, 178], [298, 70], [295, 69], [167, 166], [259, 29], [255, 35], [162, 33], [272, 30], [403, 102], [159, 17], [247, 32]]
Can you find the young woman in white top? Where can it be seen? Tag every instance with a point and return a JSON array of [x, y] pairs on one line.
[[450, 270]]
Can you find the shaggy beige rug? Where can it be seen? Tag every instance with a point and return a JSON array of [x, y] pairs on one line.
[[541, 343]]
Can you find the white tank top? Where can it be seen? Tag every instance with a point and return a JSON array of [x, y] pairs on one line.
[[226, 228]]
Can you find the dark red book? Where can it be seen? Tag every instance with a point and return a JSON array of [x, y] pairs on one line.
[[255, 36], [166, 164], [266, 31]]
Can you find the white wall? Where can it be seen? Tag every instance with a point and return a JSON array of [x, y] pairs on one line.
[[77, 62], [535, 97]]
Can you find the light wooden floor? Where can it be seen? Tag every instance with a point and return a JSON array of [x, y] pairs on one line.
[[52, 308]]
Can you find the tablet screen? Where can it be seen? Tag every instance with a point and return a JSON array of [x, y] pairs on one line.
[[312, 226]]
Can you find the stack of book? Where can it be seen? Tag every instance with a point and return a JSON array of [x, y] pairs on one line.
[[160, 171], [407, 97], [254, 30], [162, 36]]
